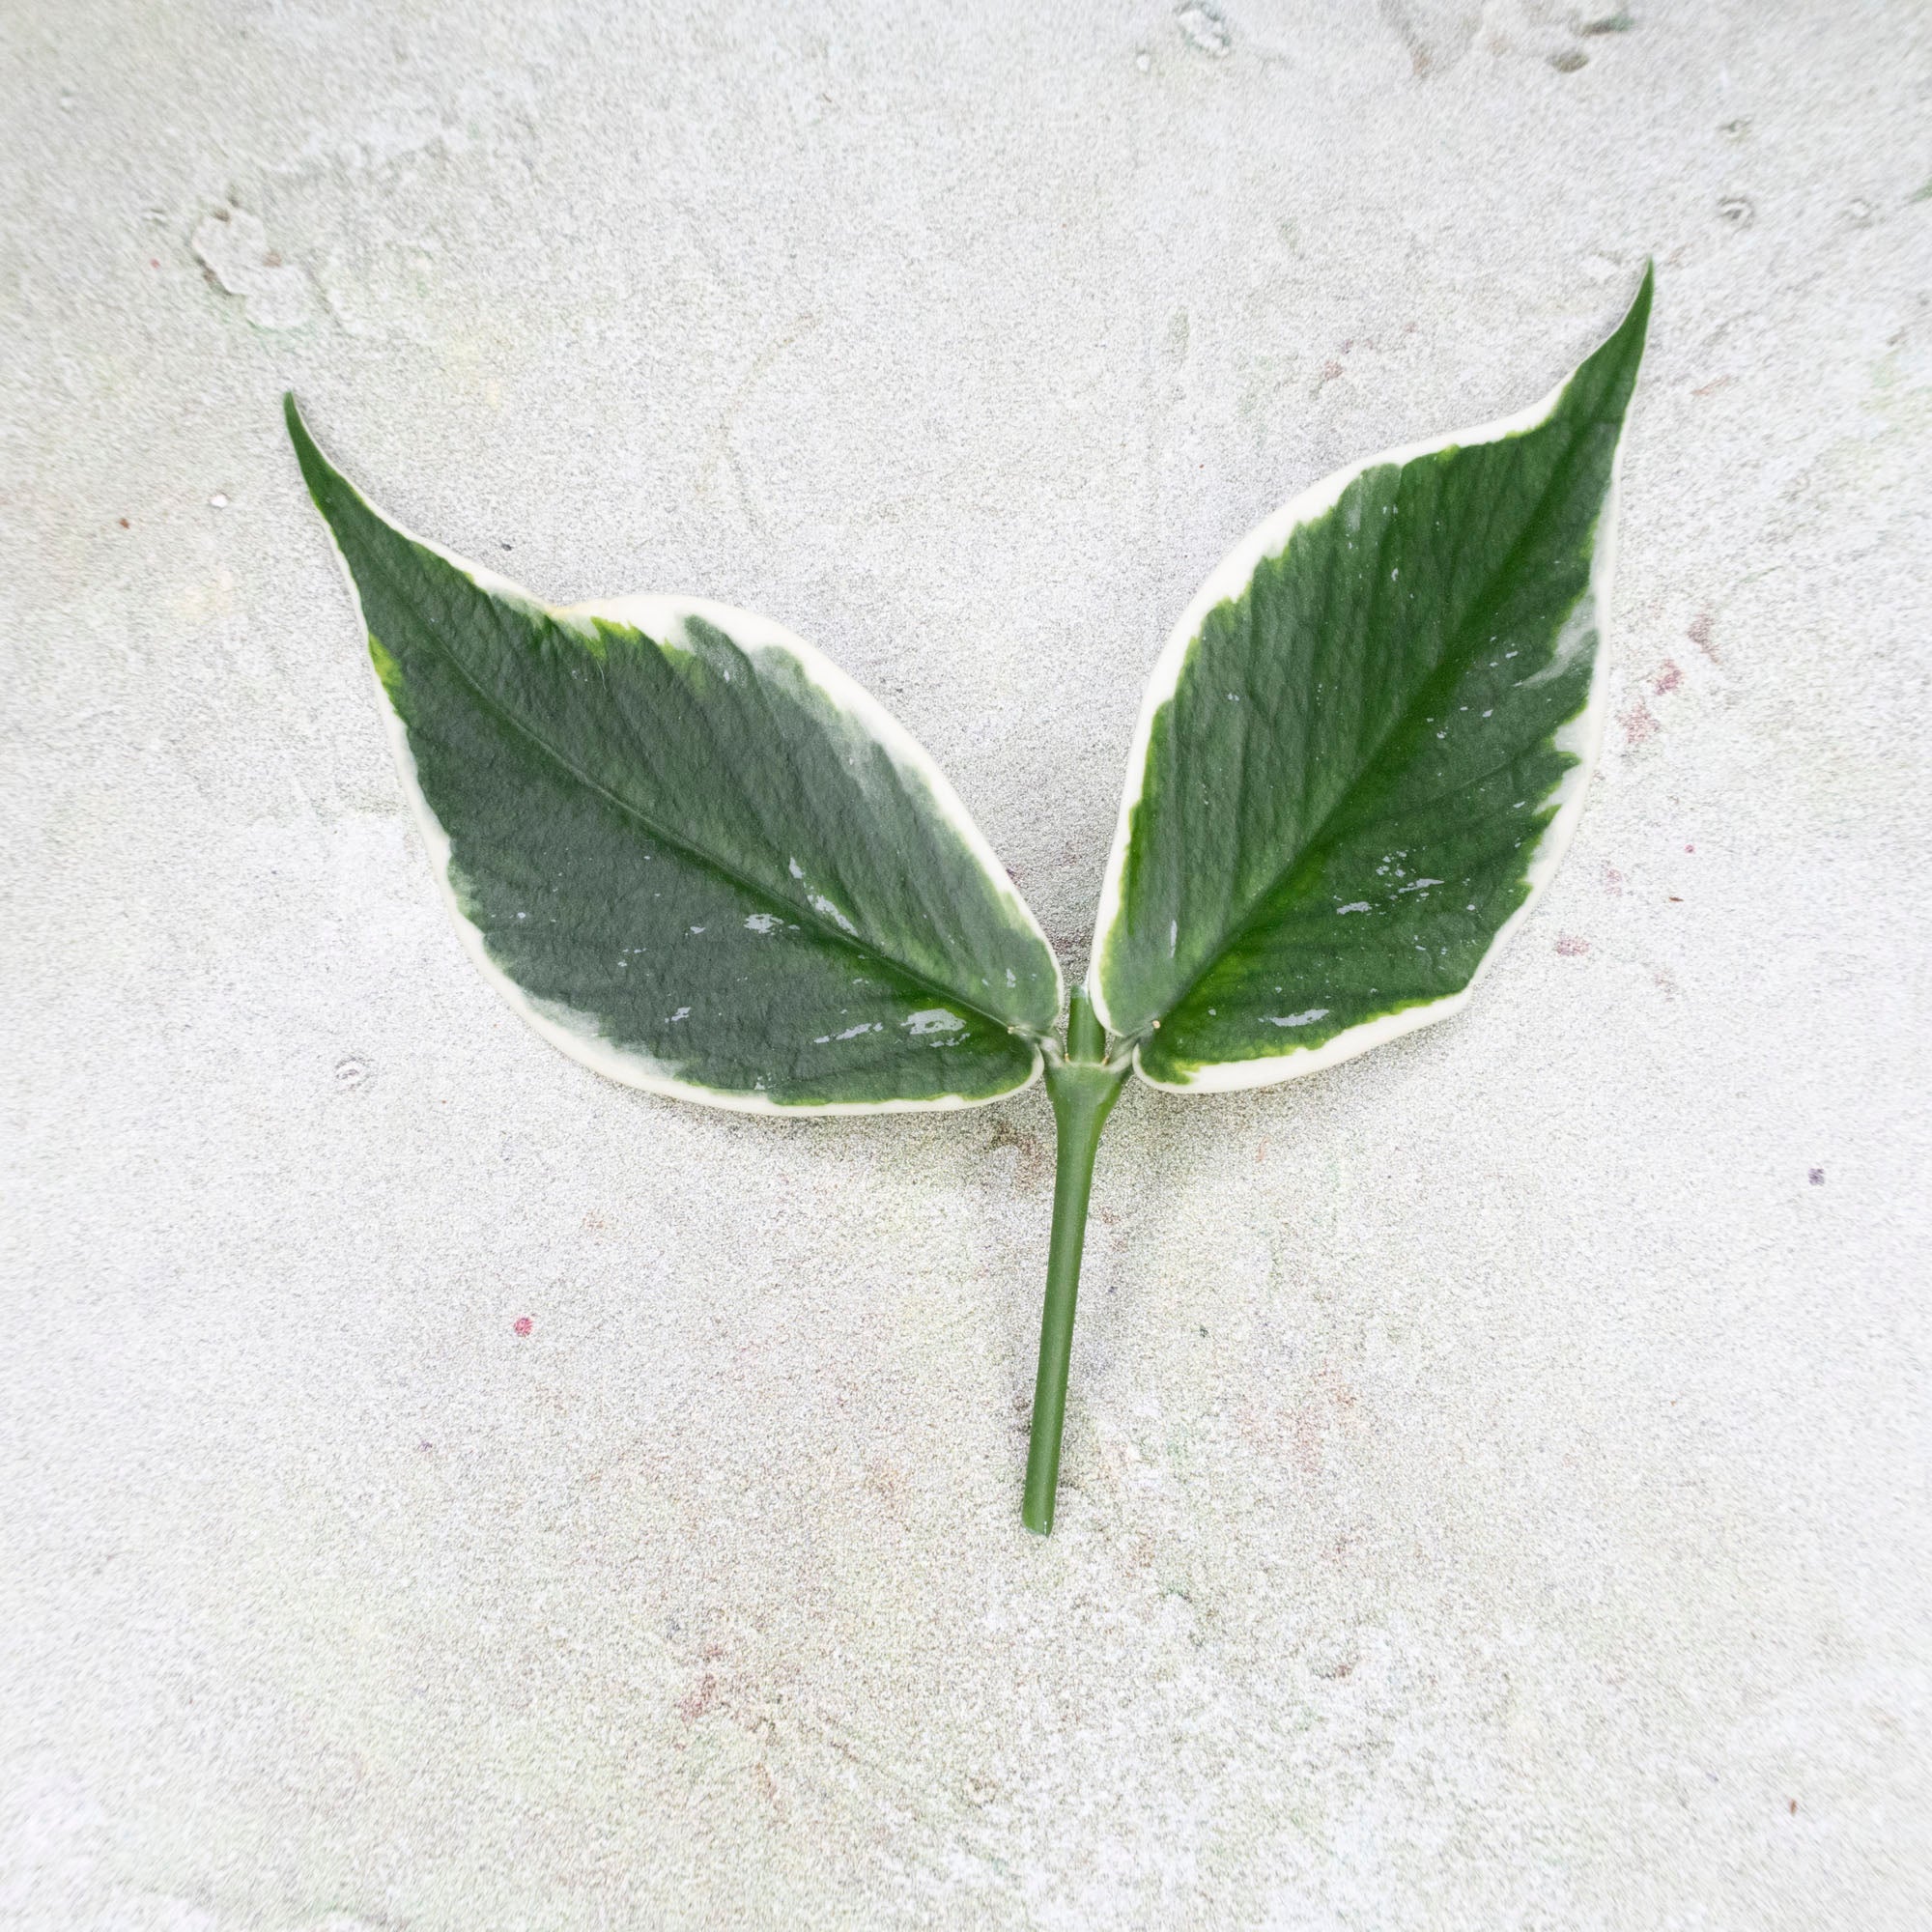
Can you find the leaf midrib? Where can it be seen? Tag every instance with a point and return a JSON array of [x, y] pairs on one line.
[[497, 709], [1250, 914]]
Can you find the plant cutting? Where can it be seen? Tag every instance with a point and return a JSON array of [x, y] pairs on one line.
[[697, 858]]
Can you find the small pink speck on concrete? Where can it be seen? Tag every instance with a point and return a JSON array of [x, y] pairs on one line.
[[1667, 679], [1690, 848], [1640, 723], [523, 1325], [1570, 946]]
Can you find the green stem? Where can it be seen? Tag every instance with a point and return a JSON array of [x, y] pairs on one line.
[[1083, 1088]]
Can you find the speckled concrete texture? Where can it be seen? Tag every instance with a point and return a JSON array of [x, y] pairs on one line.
[[1497, 1484]]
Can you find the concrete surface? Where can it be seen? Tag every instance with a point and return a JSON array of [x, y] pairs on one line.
[[1497, 1481]]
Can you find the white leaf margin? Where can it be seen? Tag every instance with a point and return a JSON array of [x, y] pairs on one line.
[[653, 615], [1581, 736]]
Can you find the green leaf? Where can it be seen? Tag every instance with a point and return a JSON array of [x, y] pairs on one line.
[[689, 850], [1364, 749]]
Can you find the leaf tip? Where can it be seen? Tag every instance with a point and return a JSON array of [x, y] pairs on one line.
[[316, 472], [1638, 316], [1613, 363]]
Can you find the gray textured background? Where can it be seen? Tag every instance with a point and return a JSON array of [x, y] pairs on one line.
[[1497, 1477]]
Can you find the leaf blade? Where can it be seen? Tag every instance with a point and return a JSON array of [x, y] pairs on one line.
[[686, 848], [1305, 759]]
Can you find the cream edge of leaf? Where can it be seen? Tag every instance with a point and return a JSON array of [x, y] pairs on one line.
[[575, 1034], [1581, 736]]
